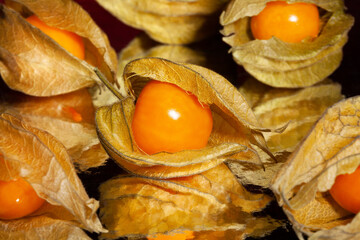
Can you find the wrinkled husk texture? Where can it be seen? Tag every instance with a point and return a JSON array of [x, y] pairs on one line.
[[331, 148], [172, 22], [280, 64], [37, 65], [191, 189], [212, 201], [211, 53], [56, 116], [297, 109], [236, 134], [40, 159]]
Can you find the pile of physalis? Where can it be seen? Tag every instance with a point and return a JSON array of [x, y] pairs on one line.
[[49, 48], [173, 133]]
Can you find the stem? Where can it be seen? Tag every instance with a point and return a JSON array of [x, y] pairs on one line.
[[108, 84]]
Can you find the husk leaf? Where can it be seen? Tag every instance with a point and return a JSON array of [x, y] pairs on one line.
[[41, 227], [25, 65], [281, 64], [42, 160], [235, 130], [210, 54], [53, 114], [173, 22], [211, 201], [330, 149], [298, 110]]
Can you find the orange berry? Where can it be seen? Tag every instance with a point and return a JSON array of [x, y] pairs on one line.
[[72, 42], [18, 199], [290, 22], [169, 119], [346, 191], [186, 235], [75, 115]]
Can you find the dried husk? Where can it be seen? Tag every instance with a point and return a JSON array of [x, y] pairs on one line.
[[143, 46], [42, 160], [33, 63], [172, 22], [236, 134], [41, 227], [53, 114], [280, 64], [210, 53], [297, 109], [302, 184], [211, 201]]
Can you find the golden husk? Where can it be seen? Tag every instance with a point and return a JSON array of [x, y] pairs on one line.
[[236, 134], [280, 64], [172, 22], [297, 109], [210, 53], [301, 186], [41, 160], [37, 65], [211, 201], [53, 114]]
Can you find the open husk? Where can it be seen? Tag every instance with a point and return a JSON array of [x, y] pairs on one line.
[[236, 134], [301, 186], [169, 21], [68, 117], [41, 160], [212, 201], [298, 109], [280, 64], [33, 63], [209, 53]]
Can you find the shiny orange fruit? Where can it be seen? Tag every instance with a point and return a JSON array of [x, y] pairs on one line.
[[18, 199], [169, 119], [346, 191], [72, 42], [291, 22], [186, 235]]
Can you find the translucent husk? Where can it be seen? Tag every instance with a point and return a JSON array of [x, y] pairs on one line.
[[41, 160], [297, 109], [37, 65], [210, 53], [56, 116], [212, 201], [173, 22], [280, 64], [236, 134], [301, 186]]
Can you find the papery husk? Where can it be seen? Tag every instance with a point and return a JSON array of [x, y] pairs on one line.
[[280, 64], [172, 22], [33, 63], [210, 53], [298, 110], [41, 227], [41, 160], [302, 184], [143, 46], [212, 201], [236, 134], [51, 114]]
